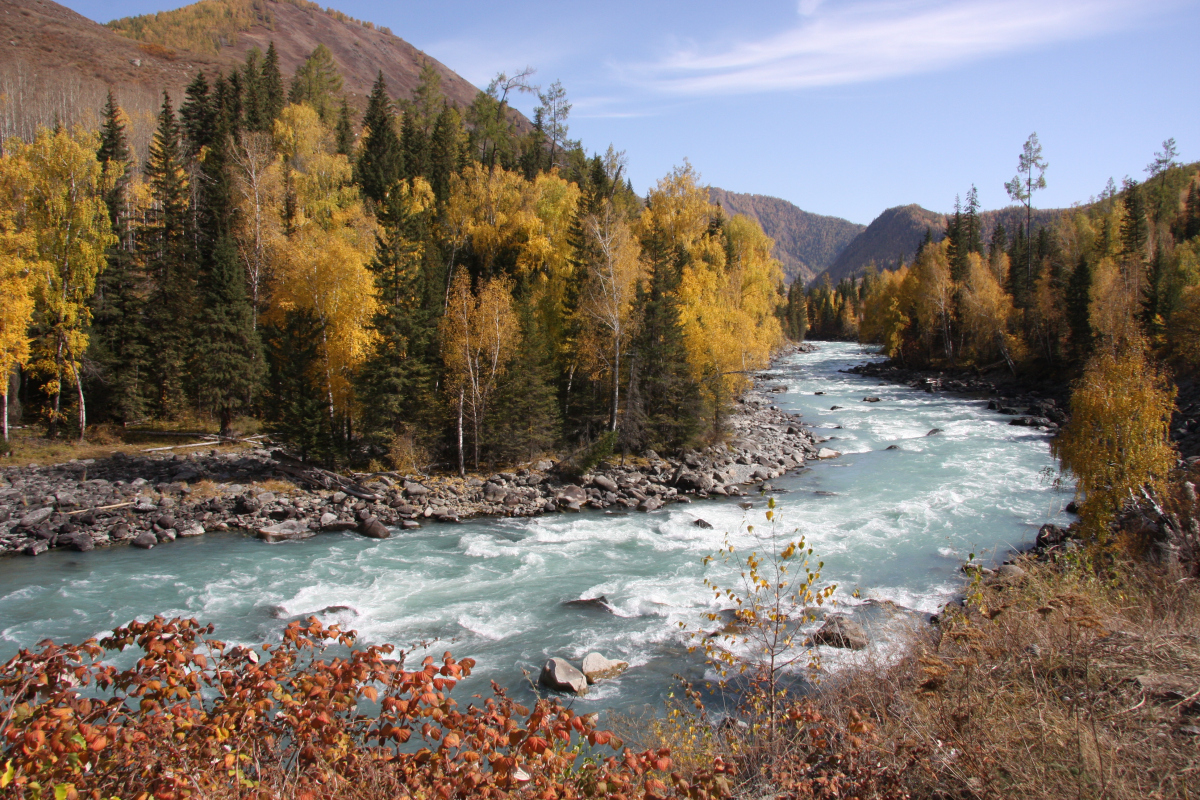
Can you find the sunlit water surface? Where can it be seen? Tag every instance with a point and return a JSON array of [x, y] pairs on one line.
[[894, 525]]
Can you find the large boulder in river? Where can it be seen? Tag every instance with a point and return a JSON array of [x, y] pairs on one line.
[[571, 498], [285, 531], [145, 540], [825, 452], [840, 631], [372, 528], [604, 482], [1033, 422], [559, 675], [591, 604], [597, 668]]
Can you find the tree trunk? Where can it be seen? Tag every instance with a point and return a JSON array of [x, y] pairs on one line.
[[82, 405], [462, 468], [4, 421], [616, 394]]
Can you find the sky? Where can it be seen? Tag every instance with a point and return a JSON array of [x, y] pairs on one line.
[[843, 107]]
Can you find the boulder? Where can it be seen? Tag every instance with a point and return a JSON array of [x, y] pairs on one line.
[[36, 547], [702, 523], [410, 524], [590, 604], [650, 504], [870, 399], [604, 482], [1033, 422], [935, 432], [284, 532], [1049, 536], [35, 518], [839, 631], [598, 668], [1009, 572], [415, 489], [560, 676], [338, 526], [76, 541], [192, 529], [825, 452], [372, 528], [145, 540]]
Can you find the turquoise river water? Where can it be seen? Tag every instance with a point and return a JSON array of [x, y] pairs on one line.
[[892, 524]]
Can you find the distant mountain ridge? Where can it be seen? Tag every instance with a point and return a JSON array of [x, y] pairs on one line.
[[805, 243], [897, 232]]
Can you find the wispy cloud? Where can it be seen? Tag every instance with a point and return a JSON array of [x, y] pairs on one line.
[[839, 43]]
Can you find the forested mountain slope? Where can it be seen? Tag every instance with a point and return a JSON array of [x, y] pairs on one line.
[[805, 243]]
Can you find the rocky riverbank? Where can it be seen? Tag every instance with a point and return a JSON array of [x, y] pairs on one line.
[[151, 500], [1037, 404]]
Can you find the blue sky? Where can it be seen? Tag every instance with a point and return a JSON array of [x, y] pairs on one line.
[[844, 107]]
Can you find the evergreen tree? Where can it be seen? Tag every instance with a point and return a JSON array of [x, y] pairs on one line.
[[1079, 297], [254, 101], [524, 418], [997, 247], [345, 131], [170, 264], [925, 242], [271, 87], [197, 116], [669, 397], [380, 160], [446, 151], [396, 382], [118, 344], [415, 146], [1019, 253], [295, 409], [1191, 213], [1135, 231], [229, 359]]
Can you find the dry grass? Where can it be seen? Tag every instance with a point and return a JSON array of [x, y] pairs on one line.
[[1062, 684]]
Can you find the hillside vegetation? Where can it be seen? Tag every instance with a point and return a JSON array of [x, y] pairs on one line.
[[805, 243]]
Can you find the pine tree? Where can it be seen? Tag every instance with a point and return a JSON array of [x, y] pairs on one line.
[[524, 419], [345, 131], [380, 160], [271, 83], [446, 151], [415, 146], [396, 382], [295, 409], [254, 101], [1135, 231], [170, 263], [229, 359], [1079, 298], [197, 116], [118, 344]]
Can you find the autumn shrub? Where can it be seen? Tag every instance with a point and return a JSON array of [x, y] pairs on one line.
[[311, 717]]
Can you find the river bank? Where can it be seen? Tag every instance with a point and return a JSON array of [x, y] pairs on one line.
[[150, 500]]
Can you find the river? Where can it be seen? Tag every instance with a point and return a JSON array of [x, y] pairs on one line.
[[889, 524]]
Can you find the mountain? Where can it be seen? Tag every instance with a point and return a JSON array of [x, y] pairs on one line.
[[897, 232], [58, 65], [805, 243]]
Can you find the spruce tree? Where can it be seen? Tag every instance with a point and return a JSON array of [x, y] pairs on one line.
[[229, 359], [254, 110], [1079, 297], [295, 410], [197, 116], [345, 131], [380, 160], [170, 262], [271, 83], [415, 146], [524, 420], [118, 344], [318, 83], [396, 382], [446, 152]]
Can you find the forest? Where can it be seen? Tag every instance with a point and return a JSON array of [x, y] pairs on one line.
[[424, 287], [1035, 300]]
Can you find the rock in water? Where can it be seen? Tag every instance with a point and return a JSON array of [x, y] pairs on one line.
[[825, 452], [702, 523], [372, 528], [597, 668], [838, 631], [934, 432], [145, 540], [559, 675], [285, 531], [591, 603]]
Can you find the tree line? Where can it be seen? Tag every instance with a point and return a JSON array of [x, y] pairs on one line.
[[428, 284], [1124, 267]]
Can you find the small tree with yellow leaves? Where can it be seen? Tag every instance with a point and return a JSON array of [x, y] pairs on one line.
[[774, 594], [1118, 439]]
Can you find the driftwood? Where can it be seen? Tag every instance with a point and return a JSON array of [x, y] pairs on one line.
[[209, 439], [99, 508], [317, 478]]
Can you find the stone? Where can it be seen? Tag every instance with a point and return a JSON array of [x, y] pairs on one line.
[[1009, 572], [825, 452], [604, 482], [76, 541], [167, 535], [870, 399], [1049, 536], [1033, 422], [650, 504], [590, 604], [288, 531], [702, 523], [145, 540], [35, 518], [596, 667], [415, 489], [840, 631], [559, 675], [935, 432], [892, 447], [328, 518], [410, 524], [36, 548], [372, 528]]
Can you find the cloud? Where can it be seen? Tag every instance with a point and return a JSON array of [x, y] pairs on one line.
[[841, 43]]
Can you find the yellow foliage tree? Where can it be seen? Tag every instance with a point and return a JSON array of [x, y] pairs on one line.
[[491, 211], [53, 191], [321, 265], [1118, 438], [933, 293], [986, 310], [17, 274], [480, 332]]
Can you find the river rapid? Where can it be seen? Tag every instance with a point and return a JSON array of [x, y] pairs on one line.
[[890, 525]]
